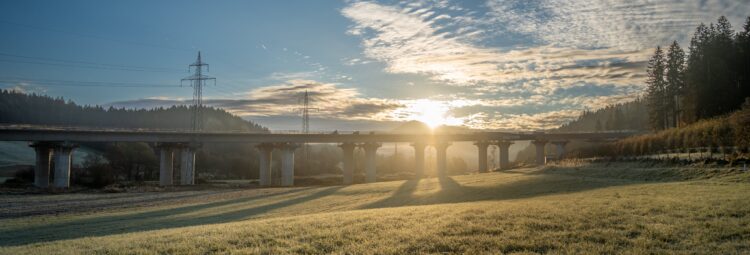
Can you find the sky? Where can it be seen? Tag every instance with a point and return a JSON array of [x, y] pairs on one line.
[[367, 65]]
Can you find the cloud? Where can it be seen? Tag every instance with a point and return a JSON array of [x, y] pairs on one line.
[[25, 88], [148, 103], [417, 41], [619, 24], [529, 64], [285, 76], [328, 100]]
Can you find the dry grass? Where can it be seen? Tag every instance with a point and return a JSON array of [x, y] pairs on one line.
[[577, 209]]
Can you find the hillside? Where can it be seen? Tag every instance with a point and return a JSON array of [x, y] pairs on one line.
[[580, 209], [226, 160], [20, 108], [626, 116]]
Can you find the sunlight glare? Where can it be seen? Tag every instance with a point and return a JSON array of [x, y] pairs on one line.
[[432, 113]]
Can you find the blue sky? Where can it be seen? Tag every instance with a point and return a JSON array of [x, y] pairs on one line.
[[368, 64]]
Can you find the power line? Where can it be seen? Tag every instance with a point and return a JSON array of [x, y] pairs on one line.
[[92, 63], [93, 36], [70, 83], [79, 66]]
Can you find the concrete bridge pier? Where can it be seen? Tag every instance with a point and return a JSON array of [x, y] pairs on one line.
[[63, 158], [42, 167], [264, 171], [370, 161], [503, 147], [441, 149], [560, 149], [418, 159], [348, 162], [287, 163], [541, 158], [166, 164], [187, 166], [482, 147]]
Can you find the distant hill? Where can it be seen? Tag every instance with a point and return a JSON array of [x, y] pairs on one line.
[[626, 116], [20, 108], [231, 160]]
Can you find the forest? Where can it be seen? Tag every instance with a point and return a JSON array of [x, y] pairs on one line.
[[711, 80], [33, 109], [133, 161]]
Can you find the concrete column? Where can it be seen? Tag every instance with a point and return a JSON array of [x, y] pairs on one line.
[[287, 163], [63, 157], [187, 166], [482, 148], [166, 165], [348, 162], [418, 159], [560, 149], [441, 149], [541, 158], [503, 147], [370, 161], [42, 166], [264, 172]]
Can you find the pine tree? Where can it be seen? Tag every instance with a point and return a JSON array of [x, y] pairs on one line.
[[656, 90], [695, 75], [743, 63], [675, 83]]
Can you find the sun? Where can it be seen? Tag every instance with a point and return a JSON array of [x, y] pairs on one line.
[[432, 113]]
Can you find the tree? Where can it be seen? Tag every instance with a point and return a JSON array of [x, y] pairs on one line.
[[675, 83], [656, 90], [743, 65]]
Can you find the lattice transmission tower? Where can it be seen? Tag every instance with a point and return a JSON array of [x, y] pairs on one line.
[[305, 111], [197, 81]]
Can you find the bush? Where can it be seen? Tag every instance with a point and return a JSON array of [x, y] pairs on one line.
[[94, 173], [727, 131]]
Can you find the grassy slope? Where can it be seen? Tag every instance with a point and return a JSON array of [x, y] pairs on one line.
[[562, 210]]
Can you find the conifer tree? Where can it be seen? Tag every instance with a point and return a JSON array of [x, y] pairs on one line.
[[675, 83], [656, 90]]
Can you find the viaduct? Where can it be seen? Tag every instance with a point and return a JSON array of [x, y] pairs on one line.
[[58, 144]]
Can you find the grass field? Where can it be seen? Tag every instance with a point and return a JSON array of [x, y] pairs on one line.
[[566, 209]]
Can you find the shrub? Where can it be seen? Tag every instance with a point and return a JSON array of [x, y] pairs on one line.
[[727, 131]]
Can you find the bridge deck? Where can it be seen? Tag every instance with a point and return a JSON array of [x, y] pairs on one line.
[[31, 133]]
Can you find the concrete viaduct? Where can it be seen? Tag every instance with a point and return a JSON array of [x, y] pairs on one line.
[[58, 144]]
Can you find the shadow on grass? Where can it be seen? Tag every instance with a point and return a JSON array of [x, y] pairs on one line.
[[153, 220], [102, 202], [451, 191]]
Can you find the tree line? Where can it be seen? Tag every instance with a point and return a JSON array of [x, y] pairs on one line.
[[631, 115], [33, 109], [711, 79]]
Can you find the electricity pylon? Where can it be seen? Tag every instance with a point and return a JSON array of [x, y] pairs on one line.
[[305, 110], [197, 81]]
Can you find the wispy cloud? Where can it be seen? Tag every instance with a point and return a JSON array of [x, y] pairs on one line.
[[572, 55], [330, 101], [415, 41], [620, 24]]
